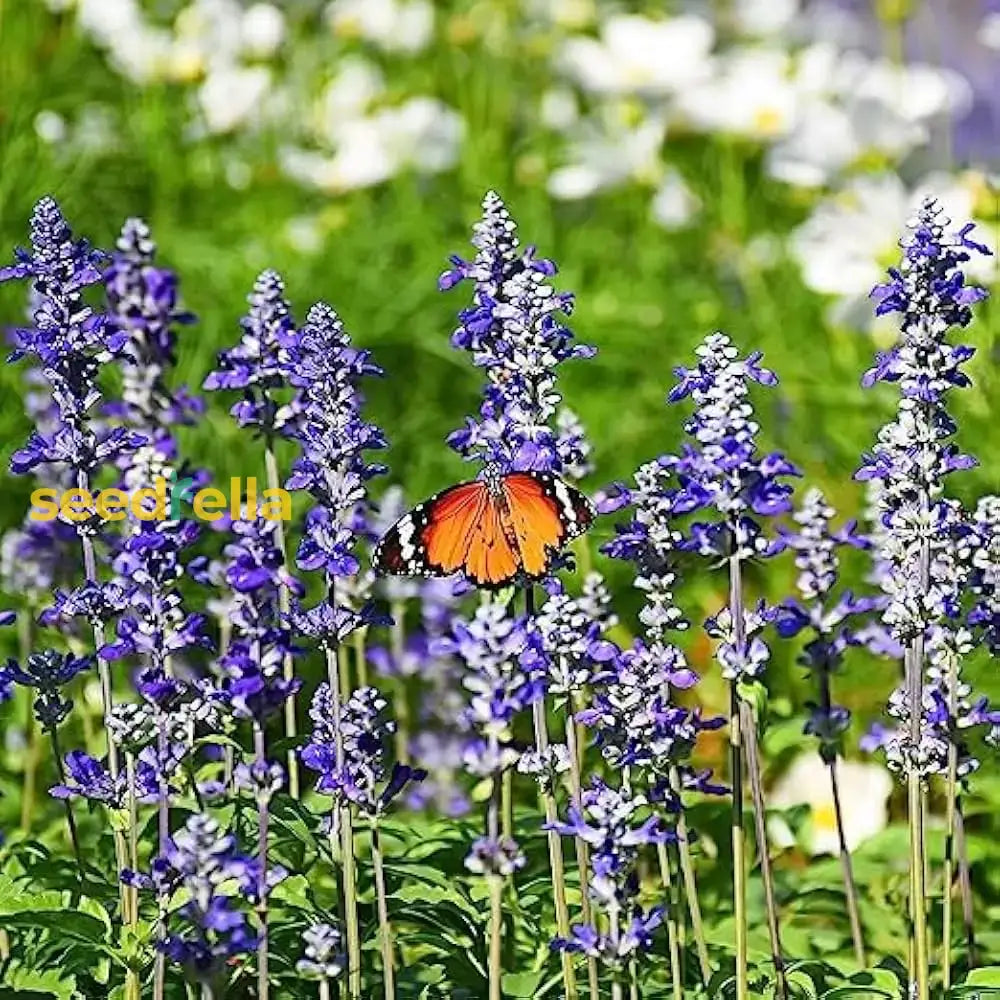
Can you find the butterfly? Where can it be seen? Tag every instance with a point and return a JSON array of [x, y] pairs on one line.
[[496, 530]]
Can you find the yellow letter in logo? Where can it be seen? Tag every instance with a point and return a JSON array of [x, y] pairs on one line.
[[155, 511], [76, 505], [111, 504], [209, 504], [43, 505], [277, 505]]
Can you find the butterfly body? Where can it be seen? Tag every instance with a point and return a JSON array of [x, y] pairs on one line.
[[496, 530]]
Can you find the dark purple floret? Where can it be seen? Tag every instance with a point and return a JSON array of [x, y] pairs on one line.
[[48, 673]]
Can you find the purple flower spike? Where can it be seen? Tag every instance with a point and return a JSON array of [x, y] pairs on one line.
[[70, 342], [258, 365], [515, 332], [927, 545]]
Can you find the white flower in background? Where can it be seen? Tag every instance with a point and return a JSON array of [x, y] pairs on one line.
[[917, 91], [422, 134], [348, 96], [639, 56], [606, 151], [864, 795], [823, 143], [559, 109], [392, 25], [762, 18], [852, 105], [231, 96], [50, 127], [844, 247], [137, 49], [674, 205], [989, 31], [751, 93], [262, 30], [212, 29]]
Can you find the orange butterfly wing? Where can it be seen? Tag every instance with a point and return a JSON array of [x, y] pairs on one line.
[[465, 532], [492, 540], [545, 513]]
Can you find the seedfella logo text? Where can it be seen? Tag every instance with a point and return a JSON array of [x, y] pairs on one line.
[[166, 499]]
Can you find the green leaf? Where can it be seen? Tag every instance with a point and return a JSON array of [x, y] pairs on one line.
[[25, 984], [522, 984]]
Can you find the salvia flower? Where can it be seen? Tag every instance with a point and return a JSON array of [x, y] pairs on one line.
[[365, 776], [333, 437], [742, 660], [203, 865], [88, 778], [48, 673], [258, 365], [615, 824], [912, 458], [323, 957], [983, 542], [490, 646], [721, 472], [832, 625], [253, 678], [515, 332], [914, 452], [566, 646], [500, 856], [142, 303], [70, 341]]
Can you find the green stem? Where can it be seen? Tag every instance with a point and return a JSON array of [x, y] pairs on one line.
[[951, 800], [401, 704], [70, 819], [33, 750], [284, 605], [850, 886], [673, 945], [752, 749], [556, 861], [385, 927], [965, 884], [691, 885], [582, 854], [736, 777], [351, 903], [133, 835], [263, 817], [495, 932]]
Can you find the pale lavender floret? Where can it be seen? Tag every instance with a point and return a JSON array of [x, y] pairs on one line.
[[323, 953]]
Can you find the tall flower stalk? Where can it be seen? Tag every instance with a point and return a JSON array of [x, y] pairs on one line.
[[254, 682], [70, 342], [656, 666], [723, 474], [911, 458], [359, 774], [258, 367], [831, 631], [515, 331], [491, 646], [333, 436]]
